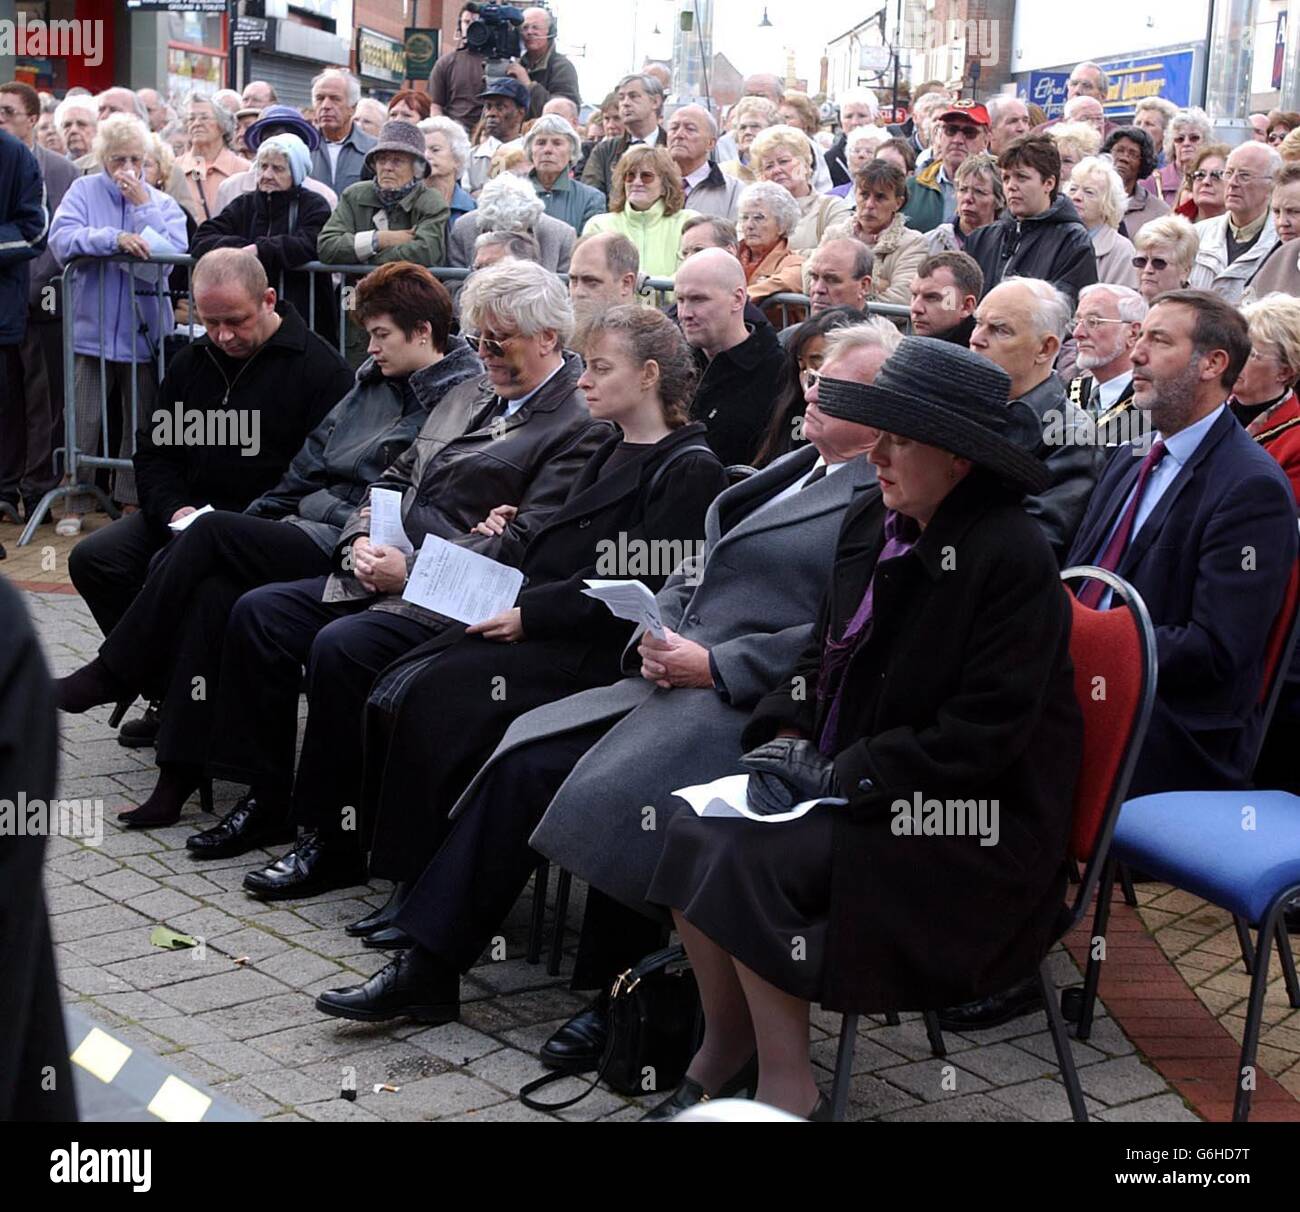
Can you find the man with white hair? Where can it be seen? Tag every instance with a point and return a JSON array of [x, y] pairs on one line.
[[76, 118], [565, 108], [541, 69], [370, 115], [1008, 119], [1234, 245], [154, 106], [258, 94], [1087, 80], [858, 107], [741, 367], [1107, 323], [341, 156], [1088, 110], [692, 136], [1020, 325]]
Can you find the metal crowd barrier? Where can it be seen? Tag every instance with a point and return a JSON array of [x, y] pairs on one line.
[[77, 462]]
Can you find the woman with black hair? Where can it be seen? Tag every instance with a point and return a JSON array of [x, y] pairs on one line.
[[1134, 156], [804, 352]]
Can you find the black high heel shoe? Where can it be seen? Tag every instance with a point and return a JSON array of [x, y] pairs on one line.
[[689, 1092], [92, 686], [123, 706], [381, 917], [163, 807]]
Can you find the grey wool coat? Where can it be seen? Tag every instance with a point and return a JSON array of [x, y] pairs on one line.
[[555, 239], [754, 606]]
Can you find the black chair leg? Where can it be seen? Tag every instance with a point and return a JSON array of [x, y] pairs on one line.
[[843, 1066], [1092, 972], [205, 794], [1244, 942], [934, 1032], [562, 886], [540, 880], [1284, 953], [1126, 883], [892, 1019], [1061, 1041]]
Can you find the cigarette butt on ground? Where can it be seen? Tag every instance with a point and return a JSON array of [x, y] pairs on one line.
[[385, 1088]]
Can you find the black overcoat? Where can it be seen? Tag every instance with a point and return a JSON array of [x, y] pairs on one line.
[[963, 690]]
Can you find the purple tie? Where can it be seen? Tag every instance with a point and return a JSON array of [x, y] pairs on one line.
[[1092, 592]]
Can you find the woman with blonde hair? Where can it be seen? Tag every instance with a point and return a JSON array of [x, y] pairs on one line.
[[784, 156], [1098, 194], [1206, 194], [1075, 141], [749, 116], [1263, 398], [796, 109], [646, 204], [1165, 251]]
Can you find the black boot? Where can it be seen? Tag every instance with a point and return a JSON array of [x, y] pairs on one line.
[[415, 985], [578, 1046], [381, 917], [175, 785], [142, 732], [90, 686], [253, 822]]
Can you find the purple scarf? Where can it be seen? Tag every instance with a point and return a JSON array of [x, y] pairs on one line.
[[901, 534]]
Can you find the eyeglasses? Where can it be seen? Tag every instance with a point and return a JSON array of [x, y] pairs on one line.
[[951, 129], [808, 379], [1242, 177], [645, 176], [1159, 264], [752, 217], [1275, 138], [1092, 323], [1190, 138], [496, 348], [1213, 174], [8, 111]]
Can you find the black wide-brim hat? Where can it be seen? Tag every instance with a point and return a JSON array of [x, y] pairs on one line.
[[943, 395]]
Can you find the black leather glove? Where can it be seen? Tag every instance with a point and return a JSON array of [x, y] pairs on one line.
[[785, 772]]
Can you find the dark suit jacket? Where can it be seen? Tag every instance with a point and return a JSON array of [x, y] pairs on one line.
[[599, 169], [1211, 563]]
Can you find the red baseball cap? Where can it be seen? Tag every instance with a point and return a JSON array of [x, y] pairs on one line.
[[971, 111]]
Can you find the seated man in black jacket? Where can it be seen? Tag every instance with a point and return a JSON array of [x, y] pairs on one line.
[[256, 350], [740, 365]]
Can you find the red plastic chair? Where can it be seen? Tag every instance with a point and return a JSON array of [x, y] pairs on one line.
[[1114, 655]]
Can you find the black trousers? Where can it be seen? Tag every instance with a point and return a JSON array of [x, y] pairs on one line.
[[13, 422], [168, 644], [273, 632], [30, 412], [109, 566], [477, 874]]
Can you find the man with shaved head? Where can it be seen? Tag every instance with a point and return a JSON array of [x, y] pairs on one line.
[[692, 136], [740, 364], [542, 70]]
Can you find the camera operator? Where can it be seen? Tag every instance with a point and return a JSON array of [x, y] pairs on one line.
[[458, 76], [542, 69]]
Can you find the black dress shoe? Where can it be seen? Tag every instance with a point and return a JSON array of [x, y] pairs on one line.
[[1022, 998], [310, 867], [578, 1046], [414, 985], [250, 824], [388, 938], [382, 916], [141, 732], [690, 1092]]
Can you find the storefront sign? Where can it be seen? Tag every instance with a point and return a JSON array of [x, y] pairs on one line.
[[1164, 74], [178, 6], [249, 31], [421, 51], [380, 57]]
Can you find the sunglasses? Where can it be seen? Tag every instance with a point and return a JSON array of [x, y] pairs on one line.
[[1159, 264], [1187, 138], [494, 347], [645, 176], [1213, 174], [951, 129]]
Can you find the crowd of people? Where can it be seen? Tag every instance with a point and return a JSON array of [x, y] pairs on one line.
[[1090, 358]]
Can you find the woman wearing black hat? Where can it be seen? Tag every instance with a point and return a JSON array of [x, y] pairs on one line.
[[938, 689]]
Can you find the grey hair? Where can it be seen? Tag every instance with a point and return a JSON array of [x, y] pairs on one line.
[[1193, 116], [77, 101], [353, 84], [860, 96], [141, 110], [874, 333], [724, 230], [621, 255], [712, 121], [532, 297], [519, 244], [860, 133], [1162, 105], [456, 138], [864, 259], [225, 119], [649, 83], [1074, 101], [996, 103], [1105, 79], [1115, 201], [114, 131], [553, 124], [785, 210], [1051, 311], [1274, 159], [1131, 305], [509, 203]]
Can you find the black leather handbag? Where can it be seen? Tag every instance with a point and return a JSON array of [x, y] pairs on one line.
[[654, 1011]]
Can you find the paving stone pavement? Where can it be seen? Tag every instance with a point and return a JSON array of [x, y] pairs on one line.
[[236, 1013]]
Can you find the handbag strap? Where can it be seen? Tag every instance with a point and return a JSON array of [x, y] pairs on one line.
[[656, 961]]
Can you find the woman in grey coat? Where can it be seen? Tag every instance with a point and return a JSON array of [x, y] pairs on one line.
[[733, 632]]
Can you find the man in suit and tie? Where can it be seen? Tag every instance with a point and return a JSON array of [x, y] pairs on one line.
[[1204, 527], [1106, 327], [641, 106]]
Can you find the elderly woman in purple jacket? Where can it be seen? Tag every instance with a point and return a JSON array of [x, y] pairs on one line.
[[118, 315]]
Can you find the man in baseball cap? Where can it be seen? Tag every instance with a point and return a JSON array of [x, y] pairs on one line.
[[961, 130], [505, 102]]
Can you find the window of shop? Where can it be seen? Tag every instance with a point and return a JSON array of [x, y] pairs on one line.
[[196, 53]]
